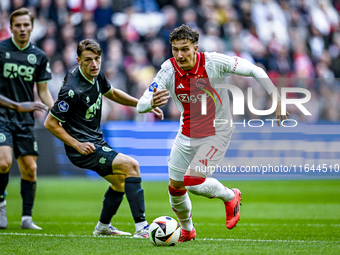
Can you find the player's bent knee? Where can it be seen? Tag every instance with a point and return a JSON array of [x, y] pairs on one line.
[[126, 165], [133, 168], [4, 166], [32, 168], [176, 184]]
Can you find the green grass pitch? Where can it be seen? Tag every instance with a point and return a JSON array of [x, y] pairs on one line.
[[277, 217]]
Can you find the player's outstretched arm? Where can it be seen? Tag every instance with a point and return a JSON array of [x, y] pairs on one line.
[[123, 98], [52, 125], [22, 106], [152, 99]]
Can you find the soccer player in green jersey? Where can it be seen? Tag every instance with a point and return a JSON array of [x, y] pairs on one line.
[[22, 66], [75, 120]]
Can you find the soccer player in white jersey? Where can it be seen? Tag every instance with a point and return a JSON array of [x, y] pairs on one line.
[[199, 144]]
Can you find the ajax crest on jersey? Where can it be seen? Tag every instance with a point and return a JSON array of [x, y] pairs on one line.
[[164, 231]]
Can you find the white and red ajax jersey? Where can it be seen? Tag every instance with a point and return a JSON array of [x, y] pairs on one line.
[[189, 88]]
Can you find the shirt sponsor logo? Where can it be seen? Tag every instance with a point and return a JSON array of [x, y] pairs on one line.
[[152, 86], [63, 106], [12, 71], [185, 98]]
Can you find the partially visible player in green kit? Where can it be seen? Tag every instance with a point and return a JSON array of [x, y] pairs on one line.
[[22, 66]]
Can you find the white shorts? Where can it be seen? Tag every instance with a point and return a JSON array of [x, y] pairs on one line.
[[201, 155]]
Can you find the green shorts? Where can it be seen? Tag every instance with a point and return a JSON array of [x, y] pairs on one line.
[[99, 161], [20, 137]]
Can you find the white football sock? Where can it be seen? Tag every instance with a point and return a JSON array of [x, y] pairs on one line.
[[212, 188], [23, 218], [140, 225], [182, 208], [101, 226]]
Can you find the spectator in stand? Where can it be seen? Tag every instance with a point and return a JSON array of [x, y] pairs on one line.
[[103, 13], [5, 32], [269, 18]]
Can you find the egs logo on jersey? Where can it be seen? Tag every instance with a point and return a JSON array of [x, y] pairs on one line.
[[185, 98], [12, 71]]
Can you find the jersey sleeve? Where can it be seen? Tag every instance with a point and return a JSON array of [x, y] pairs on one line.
[[241, 66], [105, 84], [44, 71], [160, 82], [65, 102]]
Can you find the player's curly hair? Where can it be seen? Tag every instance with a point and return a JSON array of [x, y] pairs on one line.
[[184, 32], [21, 12], [89, 44]]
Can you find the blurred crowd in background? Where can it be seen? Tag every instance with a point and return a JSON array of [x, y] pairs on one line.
[[297, 42]]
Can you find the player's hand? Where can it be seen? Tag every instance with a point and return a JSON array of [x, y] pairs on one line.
[[85, 148], [159, 97], [158, 112], [31, 106], [280, 117]]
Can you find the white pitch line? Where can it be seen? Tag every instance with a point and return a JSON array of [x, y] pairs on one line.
[[199, 239], [74, 223], [47, 235], [58, 235], [198, 224]]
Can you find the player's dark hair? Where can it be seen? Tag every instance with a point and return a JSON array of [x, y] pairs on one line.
[[184, 32], [89, 44], [21, 12]]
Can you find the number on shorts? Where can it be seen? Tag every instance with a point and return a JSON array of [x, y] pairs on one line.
[[213, 151]]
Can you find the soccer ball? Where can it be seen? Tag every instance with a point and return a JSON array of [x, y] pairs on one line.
[[164, 231]]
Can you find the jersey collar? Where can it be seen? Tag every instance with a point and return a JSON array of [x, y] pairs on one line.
[[16, 45], [92, 82], [194, 70]]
